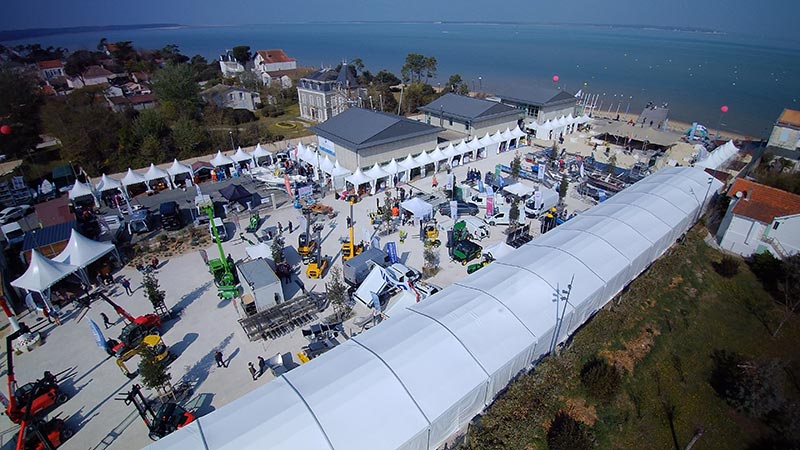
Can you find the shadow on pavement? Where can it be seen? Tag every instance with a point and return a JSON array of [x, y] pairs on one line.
[[179, 347], [198, 372]]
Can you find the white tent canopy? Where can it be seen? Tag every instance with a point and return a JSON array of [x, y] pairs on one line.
[[497, 137], [259, 152], [339, 171], [486, 140], [82, 251], [416, 379], [326, 165], [519, 189], [241, 156], [506, 135], [42, 273], [107, 183], [418, 207], [437, 155], [474, 144], [178, 168], [449, 151], [80, 190], [408, 163], [517, 132], [154, 173], [462, 148], [358, 178], [719, 156], [392, 168], [132, 177], [423, 158], [221, 160], [376, 172]]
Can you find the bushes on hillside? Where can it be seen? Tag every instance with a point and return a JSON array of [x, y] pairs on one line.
[[566, 433], [749, 387], [600, 378], [727, 267]]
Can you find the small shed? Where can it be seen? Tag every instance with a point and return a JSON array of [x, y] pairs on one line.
[[261, 286]]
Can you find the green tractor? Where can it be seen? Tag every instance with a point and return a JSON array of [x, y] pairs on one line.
[[255, 221], [487, 258], [465, 251], [222, 269]]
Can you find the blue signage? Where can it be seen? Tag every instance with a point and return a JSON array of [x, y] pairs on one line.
[[391, 249]]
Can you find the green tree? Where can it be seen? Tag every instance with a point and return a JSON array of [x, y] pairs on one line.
[[242, 54], [416, 95], [386, 78], [78, 61], [600, 378], [124, 52], [414, 66], [150, 122], [150, 151], [20, 103], [563, 188], [337, 294], [203, 71], [513, 213], [566, 433], [456, 85], [357, 64], [153, 291], [383, 99], [153, 372], [277, 249], [188, 137], [172, 53], [175, 83], [430, 68], [516, 166]]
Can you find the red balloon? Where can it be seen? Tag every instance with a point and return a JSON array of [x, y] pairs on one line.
[[724, 108], [555, 78], [5, 129]]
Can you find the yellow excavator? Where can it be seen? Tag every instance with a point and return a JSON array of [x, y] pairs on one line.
[[349, 249], [306, 244], [152, 341], [316, 269]]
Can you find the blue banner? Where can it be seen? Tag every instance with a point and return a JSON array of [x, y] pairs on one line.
[[391, 249], [98, 335]]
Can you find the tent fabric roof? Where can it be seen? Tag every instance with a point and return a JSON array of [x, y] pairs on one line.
[[155, 173], [201, 165], [358, 128], [408, 163], [178, 168], [437, 154], [359, 178], [519, 189], [107, 183], [719, 157], [241, 156], [339, 171], [259, 152], [221, 160], [417, 207], [43, 273], [423, 158], [415, 379], [463, 108], [80, 190], [326, 165], [376, 172], [133, 178], [392, 167], [235, 193], [82, 251]]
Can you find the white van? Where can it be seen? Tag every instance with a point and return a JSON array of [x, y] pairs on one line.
[[539, 203], [501, 217], [479, 198], [13, 233], [220, 226]]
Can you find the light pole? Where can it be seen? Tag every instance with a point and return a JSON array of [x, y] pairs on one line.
[[708, 190], [558, 297], [230, 133], [480, 83]]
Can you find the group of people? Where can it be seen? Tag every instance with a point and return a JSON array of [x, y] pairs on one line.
[[255, 372]]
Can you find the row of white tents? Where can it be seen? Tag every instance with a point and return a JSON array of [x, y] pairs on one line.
[[447, 154], [79, 253], [418, 378], [563, 124]]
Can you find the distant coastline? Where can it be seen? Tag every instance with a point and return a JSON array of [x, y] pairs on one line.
[[13, 35]]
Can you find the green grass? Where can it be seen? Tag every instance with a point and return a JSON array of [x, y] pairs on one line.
[[660, 332], [291, 114]]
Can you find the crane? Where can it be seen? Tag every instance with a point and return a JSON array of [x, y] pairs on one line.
[[349, 249], [222, 268]]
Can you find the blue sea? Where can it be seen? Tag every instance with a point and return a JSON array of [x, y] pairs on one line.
[[695, 73]]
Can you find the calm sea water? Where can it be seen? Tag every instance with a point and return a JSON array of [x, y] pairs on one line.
[[695, 73]]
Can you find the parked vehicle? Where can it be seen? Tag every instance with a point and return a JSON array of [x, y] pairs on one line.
[[476, 227], [220, 226], [141, 221], [466, 251], [535, 206], [171, 216], [357, 268], [480, 200], [462, 209], [14, 213], [401, 274], [502, 217], [12, 233]]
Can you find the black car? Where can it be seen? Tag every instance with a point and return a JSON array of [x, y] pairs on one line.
[[170, 216], [463, 209]]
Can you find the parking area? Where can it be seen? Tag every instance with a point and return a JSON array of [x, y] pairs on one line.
[[202, 324]]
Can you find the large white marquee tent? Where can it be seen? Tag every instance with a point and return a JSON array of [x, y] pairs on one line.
[[413, 381], [719, 157]]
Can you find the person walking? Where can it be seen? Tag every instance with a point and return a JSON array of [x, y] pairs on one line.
[[253, 371], [106, 323], [261, 365], [127, 285], [290, 226], [280, 228], [218, 359]]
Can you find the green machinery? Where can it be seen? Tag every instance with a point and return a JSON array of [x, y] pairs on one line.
[[222, 268], [255, 220]]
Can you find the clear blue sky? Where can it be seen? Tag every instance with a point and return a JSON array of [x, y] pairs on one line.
[[773, 18]]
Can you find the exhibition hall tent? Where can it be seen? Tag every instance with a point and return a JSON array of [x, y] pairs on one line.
[[221, 160], [326, 165], [132, 178], [81, 190], [241, 156], [416, 379], [178, 168], [82, 251], [339, 174], [392, 167], [259, 153], [42, 273], [107, 183], [519, 189], [418, 207], [358, 178], [155, 173], [719, 156]]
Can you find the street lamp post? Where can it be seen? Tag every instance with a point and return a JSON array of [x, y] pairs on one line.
[[480, 83], [708, 190], [230, 133], [560, 296]]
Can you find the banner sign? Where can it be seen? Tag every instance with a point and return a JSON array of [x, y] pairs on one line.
[[391, 250]]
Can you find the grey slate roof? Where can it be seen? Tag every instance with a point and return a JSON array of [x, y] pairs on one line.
[[343, 76], [535, 95], [257, 273], [468, 108], [358, 128]]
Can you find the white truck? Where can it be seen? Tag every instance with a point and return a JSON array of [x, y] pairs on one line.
[[541, 201], [502, 216], [476, 227]]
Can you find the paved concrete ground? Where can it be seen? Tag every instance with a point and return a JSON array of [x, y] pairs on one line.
[[202, 324]]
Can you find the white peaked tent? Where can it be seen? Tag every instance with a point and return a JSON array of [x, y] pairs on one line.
[[376, 173], [221, 160], [486, 140], [717, 158], [474, 144], [450, 151], [462, 148], [107, 183], [416, 379], [132, 178], [519, 189], [42, 273], [506, 135], [407, 165], [418, 207], [82, 251], [178, 168], [358, 178], [154, 173], [81, 190], [497, 137], [437, 156], [517, 132], [338, 175], [392, 167], [423, 158], [259, 153], [326, 165], [241, 156]]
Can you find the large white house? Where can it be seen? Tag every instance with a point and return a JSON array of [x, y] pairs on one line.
[[229, 66], [272, 65], [760, 219], [327, 92]]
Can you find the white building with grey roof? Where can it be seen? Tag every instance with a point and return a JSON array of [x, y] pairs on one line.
[[327, 92], [537, 102], [360, 137], [469, 115]]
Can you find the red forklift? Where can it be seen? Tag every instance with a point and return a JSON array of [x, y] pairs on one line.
[[135, 330], [169, 417], [31, 399]]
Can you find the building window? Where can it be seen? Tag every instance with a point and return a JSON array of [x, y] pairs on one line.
[[775, 225]]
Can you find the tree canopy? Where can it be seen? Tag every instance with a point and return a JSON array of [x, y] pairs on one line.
[[417, 66], [175, 83], [456, 85], [242, 54], [20, 102]]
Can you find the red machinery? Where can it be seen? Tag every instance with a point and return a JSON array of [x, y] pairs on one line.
[[136, 329]]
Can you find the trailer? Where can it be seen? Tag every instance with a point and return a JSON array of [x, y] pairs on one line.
[[261, 286]]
